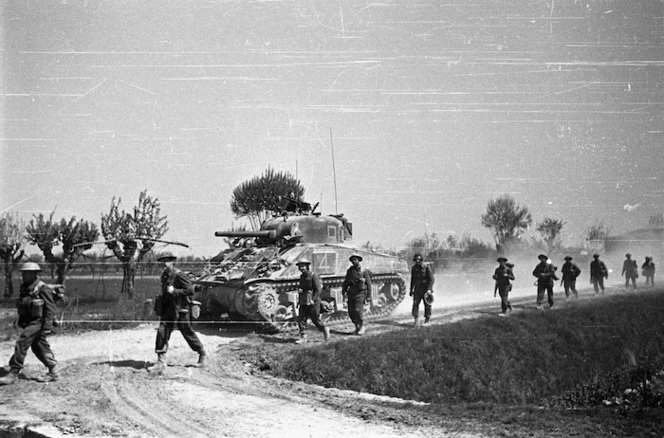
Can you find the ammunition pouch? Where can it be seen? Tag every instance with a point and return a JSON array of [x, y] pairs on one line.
[[158, 305], [306, 297], [31, 308]]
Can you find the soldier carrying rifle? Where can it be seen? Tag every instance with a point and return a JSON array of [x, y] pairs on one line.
[[36, 316]]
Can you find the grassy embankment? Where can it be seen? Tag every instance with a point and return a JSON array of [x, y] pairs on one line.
[[524, 358], [592, 369]]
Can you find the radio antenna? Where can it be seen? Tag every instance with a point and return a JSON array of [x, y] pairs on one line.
[[334, 173]]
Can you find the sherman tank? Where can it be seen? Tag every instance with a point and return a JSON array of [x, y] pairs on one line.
[[257, 278]]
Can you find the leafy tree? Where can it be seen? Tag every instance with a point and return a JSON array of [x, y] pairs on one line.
[[11, 247], [130, 235], [262, 196], [550, 229], [506, 219], [74, 236]]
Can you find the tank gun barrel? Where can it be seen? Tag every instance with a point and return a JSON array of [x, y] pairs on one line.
[[263, 234]]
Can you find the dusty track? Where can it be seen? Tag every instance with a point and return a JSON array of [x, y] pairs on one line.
[[106, 390]]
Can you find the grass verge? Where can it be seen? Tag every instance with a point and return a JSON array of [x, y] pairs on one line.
[[559, 372], [519, 359]]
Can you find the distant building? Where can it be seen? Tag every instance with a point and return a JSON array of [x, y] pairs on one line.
[[639, 242]]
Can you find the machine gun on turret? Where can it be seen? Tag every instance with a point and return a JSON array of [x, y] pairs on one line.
[[291, 205]]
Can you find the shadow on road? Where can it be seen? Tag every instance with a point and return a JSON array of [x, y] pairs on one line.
[[135, 364]]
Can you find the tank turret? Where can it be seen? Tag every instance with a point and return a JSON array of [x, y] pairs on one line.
[[257, 279]]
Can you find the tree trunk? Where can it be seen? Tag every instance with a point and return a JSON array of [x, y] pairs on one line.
[[9, 287], [62, 272], [129, 272]]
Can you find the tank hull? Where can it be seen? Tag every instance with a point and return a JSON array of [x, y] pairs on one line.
[[271, 297], [275, 302]]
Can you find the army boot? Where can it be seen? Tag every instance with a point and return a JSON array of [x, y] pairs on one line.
[[201, 361], [160, 365], [416, 321], [53, 375], [326, 333], [10, 378], [302, 340], [426, 319]]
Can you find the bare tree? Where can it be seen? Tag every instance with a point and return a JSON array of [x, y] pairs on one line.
[[11, 247], [656, 220], [264, 195], [73, 236], [596, 234], [506, 219], [550, 229], [131, 235]]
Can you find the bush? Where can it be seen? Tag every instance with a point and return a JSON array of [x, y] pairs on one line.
[[633, 387]]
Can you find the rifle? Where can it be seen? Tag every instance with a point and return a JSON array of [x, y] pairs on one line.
[[167, 242], [93, 243]]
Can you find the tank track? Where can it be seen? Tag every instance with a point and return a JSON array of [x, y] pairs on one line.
[[342, 318]]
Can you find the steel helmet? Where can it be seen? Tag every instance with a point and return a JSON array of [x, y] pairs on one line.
[[165, 257], [428, 297], [29, 266]]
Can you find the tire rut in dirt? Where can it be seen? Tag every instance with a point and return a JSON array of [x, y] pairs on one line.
[[158, 418]]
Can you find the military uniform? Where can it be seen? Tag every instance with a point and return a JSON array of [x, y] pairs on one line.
[[503, 274], [36, 316], [357, 286], [598, 272], [309, 301], [175, 310], [546, 275], [648, 271], [631, 271], [421, 281], [570, 271]]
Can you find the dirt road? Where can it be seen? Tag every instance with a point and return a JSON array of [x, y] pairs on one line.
[[106, 390]]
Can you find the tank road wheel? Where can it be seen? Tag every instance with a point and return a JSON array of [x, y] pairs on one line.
[[395, 291], [268, 304], [284, 313]]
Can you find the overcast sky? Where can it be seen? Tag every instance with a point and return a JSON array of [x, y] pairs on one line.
[[435, 107]]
